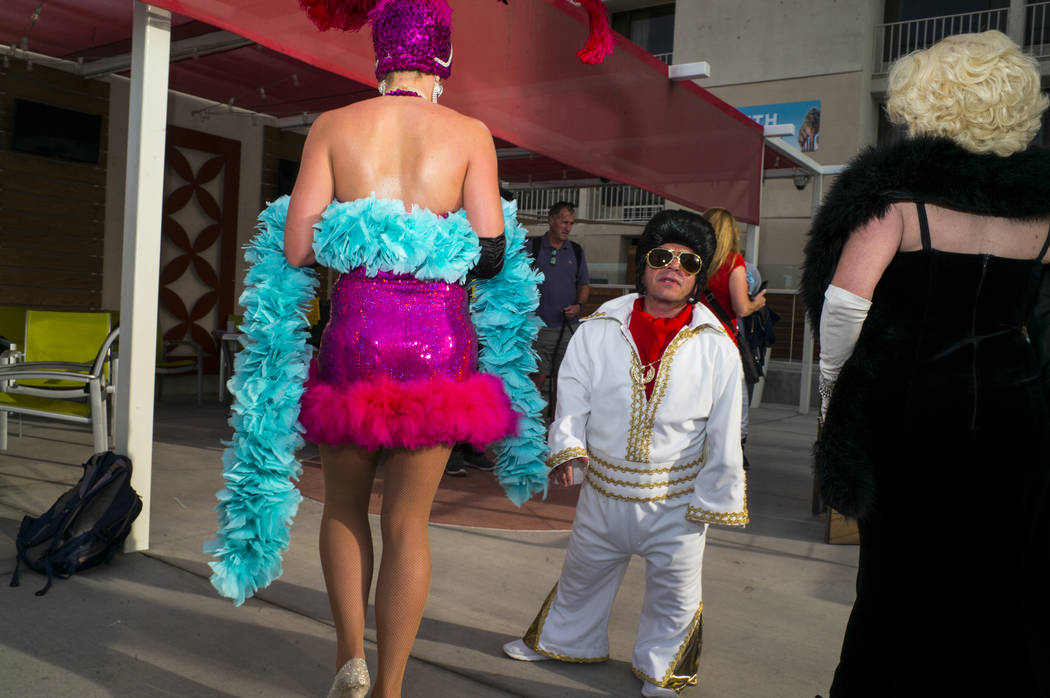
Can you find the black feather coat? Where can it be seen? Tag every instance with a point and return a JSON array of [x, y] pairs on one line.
[[935, 171]]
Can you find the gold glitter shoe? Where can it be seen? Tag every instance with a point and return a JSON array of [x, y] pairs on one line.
[[351, 681]]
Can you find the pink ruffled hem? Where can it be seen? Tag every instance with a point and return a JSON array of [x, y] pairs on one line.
[[384, 413]]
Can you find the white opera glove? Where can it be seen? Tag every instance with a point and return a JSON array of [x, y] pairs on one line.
[[840, 322]]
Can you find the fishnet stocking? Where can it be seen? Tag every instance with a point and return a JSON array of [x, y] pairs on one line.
[[410, 480]]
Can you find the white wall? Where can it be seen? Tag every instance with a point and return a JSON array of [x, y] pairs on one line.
[[759, 41], [788, 51]]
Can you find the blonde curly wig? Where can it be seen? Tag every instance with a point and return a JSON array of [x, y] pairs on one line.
[[977, 89], [727, 235]]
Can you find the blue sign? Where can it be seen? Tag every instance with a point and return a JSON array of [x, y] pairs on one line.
[[804, 116]]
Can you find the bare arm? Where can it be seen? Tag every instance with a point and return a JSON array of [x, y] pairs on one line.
[[743, 305], [313, 191], [481, 198], [868, 252]]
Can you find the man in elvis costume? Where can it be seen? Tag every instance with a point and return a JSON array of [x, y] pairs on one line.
[[649, 415]]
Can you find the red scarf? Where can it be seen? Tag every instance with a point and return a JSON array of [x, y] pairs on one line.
[[653, 334]]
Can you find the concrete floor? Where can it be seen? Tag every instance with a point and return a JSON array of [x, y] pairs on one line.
[[776, 598]]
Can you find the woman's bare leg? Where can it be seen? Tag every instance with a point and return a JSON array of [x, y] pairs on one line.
[[346, 543], [410, 480]]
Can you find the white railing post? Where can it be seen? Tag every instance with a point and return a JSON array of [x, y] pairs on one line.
[[143, 200]]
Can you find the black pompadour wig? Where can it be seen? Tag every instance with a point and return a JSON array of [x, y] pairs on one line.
[[683, 228]]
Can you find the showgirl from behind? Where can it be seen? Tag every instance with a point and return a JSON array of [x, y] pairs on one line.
[[400, 345], [400, 196]]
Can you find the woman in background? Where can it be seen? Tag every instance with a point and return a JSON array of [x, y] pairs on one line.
[[728, 287]]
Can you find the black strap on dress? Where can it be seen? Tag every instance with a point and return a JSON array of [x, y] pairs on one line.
[[1046, 246], [924, 226], [924, 231]]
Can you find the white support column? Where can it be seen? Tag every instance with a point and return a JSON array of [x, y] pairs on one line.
[[1015, 18], [143, 200], [751, 248], [805, 386]]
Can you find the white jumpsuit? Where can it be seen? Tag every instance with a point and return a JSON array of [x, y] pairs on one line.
[[660, 470]]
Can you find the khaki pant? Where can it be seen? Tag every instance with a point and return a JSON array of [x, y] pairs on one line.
[[550, 351]]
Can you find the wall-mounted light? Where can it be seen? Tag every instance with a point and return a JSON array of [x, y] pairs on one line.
[[689, 71]]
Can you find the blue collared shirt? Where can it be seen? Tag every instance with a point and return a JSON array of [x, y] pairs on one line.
[[560, 280]]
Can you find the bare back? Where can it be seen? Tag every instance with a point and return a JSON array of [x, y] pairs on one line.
[[397, 147], [870, 248], [956, 231], [401, 148]]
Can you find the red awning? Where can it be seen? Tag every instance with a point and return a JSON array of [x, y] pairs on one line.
[[515, 69]]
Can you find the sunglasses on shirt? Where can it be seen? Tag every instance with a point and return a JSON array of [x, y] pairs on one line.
[[660, 257]]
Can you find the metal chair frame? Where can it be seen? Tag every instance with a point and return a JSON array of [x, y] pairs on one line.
[[95, 387]]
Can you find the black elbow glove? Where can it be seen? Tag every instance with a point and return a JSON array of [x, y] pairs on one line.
[[491, 260]]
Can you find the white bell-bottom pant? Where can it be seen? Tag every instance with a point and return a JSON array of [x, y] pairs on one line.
[[572, 624]]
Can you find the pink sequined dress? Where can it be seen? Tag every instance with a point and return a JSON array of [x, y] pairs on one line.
[[398, 368]]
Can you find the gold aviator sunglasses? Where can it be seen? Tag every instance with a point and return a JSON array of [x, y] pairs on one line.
[[660, 257]]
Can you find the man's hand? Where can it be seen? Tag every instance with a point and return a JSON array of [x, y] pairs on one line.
[[571, 311], [562, 474]]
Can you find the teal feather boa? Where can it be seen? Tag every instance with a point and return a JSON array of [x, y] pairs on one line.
[[260, 499]]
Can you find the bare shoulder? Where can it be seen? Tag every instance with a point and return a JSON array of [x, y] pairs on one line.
[[350, 112], [458, 125], [324, 124], [476, 128]]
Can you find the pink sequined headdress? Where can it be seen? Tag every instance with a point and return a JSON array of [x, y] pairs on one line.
[[412, 35], [417, 34], [406, 34]]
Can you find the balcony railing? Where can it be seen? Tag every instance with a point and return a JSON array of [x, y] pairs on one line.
[[607, 203], [535, 203], [898, 39], [621, 203], [1037, 29], [664, 57]]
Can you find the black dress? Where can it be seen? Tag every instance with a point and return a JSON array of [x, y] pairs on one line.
[[952, 592]]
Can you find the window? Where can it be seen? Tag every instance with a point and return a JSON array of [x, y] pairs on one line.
[[1043, 137], [891, 133], [907, 10], [652, 28]]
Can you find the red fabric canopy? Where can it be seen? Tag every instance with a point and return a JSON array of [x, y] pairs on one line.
[[515, 69]]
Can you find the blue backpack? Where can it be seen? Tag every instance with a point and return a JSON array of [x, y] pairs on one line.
[[85, 526]]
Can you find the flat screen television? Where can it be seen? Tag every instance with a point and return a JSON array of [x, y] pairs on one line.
[[42, 129]]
